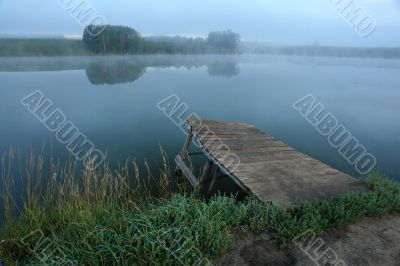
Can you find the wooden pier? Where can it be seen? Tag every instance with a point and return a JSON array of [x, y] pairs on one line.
[[261, 165]]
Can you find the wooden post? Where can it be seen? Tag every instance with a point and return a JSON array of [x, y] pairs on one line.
[[185, 150], [180, 164], [206, 172], [212, 183]]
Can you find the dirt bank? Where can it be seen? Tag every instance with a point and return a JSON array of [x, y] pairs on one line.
[[372, 241]]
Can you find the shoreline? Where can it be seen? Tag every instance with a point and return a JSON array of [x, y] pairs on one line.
[[21, 47], [89, 218]]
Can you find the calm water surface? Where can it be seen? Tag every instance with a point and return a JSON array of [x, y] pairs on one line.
[[113, 101]]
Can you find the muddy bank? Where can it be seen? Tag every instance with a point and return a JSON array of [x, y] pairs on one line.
[[372, 241]]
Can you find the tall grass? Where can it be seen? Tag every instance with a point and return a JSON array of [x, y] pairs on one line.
[[104, 217], [31, 183]]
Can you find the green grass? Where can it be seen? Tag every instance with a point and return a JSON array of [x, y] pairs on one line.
[[106, 221]]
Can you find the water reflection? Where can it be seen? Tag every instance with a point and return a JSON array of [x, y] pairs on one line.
[[113, 73], [225, 69], [363, 93], [110, 70], [129, 70]]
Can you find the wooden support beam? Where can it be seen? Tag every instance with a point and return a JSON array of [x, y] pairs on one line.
[[181, 165], [185, 150], [206, 172], [212, 183], [184, 153]]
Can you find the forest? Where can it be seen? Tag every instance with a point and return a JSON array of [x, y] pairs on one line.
[[126, 40], [117, 40]]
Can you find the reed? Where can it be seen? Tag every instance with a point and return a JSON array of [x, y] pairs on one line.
[[66, 216], [32, 183]]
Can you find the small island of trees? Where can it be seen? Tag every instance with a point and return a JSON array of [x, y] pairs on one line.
[[113, 40], [126, 40]]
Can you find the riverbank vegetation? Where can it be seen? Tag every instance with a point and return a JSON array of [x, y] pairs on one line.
[[126, 40], [60, 216], [42, 47], [183, 45], [117, 40], [121, 40]]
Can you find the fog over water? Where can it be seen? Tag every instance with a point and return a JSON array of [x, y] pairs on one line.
[[277, 22], [288, 49], [298, 102], [113, 101]]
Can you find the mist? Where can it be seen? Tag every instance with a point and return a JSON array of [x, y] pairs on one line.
[[277, 23], [199, 132]]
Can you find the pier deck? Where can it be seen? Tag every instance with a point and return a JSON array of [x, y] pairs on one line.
[[261, 165]]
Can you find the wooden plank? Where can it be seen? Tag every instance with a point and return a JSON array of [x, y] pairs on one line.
[[210, 123], [260, 157], [223, 126], [224, 131], [249, 149], [244, 143], [236, 138], [268, 168], [302, 165], [249, 164]]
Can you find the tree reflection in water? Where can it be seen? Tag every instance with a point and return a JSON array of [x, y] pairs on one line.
[[226, 69], [114, 71], [109, 73]]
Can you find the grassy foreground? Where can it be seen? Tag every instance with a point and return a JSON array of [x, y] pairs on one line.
[[103, 219]]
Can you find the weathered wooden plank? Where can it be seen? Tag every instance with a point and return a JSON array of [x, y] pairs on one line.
[[269, 168], [223, 125], [295, 166], [249, 149], [223, 131], [237, 145], [233, 136], [260, 157], [210, 123]]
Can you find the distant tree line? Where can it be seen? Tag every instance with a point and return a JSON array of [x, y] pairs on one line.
[[332, 51], [41, 47], [125, 40]]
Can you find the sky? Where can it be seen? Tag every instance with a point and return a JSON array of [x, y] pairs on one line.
[[287, 22]]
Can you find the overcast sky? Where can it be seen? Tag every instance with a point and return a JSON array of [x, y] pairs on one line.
[[275, 21]]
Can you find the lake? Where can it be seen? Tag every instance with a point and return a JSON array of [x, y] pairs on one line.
[[113, 101]]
